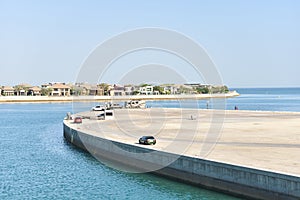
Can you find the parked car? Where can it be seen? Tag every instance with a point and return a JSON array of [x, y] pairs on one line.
[[116, 106], [78, 120], [98, 108], [147, 140]]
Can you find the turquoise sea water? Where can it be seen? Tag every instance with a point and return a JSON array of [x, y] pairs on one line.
[[37, 163], [265, 99]]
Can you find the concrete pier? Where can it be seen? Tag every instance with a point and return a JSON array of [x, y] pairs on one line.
[[246, 153]]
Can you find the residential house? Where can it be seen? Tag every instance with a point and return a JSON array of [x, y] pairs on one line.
[[81, 89], [96, 90], [46, 85], [34, 91], [199, 85], [155, 92], [85, 88], [146, 90], [60, 89], [22, 89], [46, 89], [117, 90], [8, 91], [88, 89], [129, 89], [136, 90], [170, 89], [194, 85], [76, 90], [185, 89]]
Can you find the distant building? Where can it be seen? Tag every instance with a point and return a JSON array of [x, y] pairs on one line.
[[76, 91], [146, 90], [46, 85], [60, 89], [96, 90], [34, 91], [81, 89], [170, 89], [117, 90], [155, 92], [194, 84], [8, 91], [129, 89], [22, 89], [185, 89], [87, 89]]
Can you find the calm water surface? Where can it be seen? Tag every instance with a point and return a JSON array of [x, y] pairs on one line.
[[37, 163], [265, 99]]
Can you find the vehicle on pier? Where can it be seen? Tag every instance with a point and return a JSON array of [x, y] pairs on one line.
[[135, 104], [99, 108], [106, 114], [111, 105], [78, 120], [147, 140]]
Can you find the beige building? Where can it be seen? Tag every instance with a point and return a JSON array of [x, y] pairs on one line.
[[117, 90], [97, 90], [22, 89], [60, 89], [34, 91], [87, 89], [8, 91]]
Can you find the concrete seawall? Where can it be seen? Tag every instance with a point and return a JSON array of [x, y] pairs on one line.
[[237, 180]]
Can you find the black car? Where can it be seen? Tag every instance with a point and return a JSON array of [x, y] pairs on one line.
[[147, 140]]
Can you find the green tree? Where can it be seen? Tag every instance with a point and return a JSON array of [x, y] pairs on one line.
[[159, 89], [105, 88], [76, 91], [144, 85], [46, 91], [135, 92], [17, 89], [226, 90], [202, 90]]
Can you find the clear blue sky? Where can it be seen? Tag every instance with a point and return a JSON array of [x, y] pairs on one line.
[[253, 43]]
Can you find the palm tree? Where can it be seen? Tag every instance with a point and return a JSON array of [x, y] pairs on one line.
[[18, 89], [46, 91]]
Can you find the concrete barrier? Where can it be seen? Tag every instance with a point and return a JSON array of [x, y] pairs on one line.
[[236, 180]]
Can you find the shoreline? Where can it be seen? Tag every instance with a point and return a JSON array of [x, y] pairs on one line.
[[41, 99]]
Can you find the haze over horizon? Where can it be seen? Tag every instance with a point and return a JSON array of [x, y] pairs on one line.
[[252, 43]]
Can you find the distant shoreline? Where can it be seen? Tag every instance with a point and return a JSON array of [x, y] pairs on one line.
[[41, 99]]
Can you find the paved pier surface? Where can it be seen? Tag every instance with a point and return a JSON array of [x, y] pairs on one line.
[[262, 140]]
